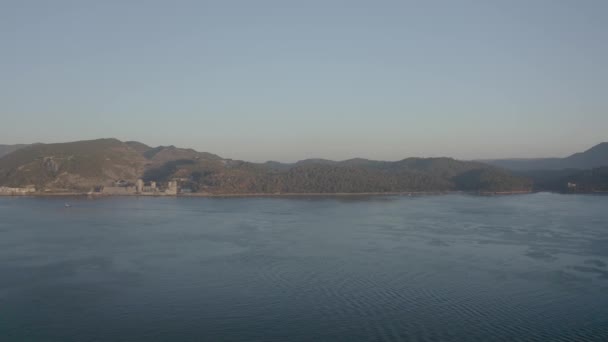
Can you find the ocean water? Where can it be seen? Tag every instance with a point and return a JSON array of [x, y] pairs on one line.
[[430, 268]]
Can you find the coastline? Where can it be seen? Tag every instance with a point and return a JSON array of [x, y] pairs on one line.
[[285, 194]]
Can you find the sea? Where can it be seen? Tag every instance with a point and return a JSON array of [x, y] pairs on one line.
[[382, 268]]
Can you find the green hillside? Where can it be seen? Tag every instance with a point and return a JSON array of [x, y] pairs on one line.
[[83, 165], [75, 165], [351, 176]]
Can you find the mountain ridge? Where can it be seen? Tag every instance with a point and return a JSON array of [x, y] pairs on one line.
[[84, 165], [594, 157]]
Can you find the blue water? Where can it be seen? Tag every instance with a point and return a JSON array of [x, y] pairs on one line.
[[430, 268]]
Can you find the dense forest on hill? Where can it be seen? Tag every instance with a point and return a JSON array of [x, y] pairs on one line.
[[6, 149], [592, 180], [580, 172], [84, 165]]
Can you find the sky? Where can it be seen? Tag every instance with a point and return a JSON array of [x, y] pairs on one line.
[[288, 80]]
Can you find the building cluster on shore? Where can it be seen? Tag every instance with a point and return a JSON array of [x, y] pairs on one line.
[[140, 187], [120, 187], [5, 190]]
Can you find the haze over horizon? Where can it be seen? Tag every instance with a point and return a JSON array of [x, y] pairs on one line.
[[322, 79]]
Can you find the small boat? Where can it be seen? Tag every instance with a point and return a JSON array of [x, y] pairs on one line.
[[68, 205]]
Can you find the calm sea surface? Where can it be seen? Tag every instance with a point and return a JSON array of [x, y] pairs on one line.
[[431, 268]]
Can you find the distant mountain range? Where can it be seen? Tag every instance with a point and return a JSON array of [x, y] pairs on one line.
[[581, 172], [597, 156], [85, 165]]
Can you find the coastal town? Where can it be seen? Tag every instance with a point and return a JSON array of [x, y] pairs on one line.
[[140, 187], [11, 191], [118, 188]]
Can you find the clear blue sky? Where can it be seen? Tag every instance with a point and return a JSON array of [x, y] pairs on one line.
[[287, 80]]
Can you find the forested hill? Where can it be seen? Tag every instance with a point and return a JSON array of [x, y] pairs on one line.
[[6, 149], [594, 157], [83, 165], [580, 172]]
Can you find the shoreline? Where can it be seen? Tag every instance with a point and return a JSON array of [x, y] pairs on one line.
[[286, 194]]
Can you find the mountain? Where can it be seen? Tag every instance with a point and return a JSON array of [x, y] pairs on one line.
[[76, 165], [84, 165], [6, 149], [584, 171], [597, 156]]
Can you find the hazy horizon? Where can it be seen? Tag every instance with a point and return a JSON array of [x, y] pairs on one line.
[[293, 160], [272, 80]]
